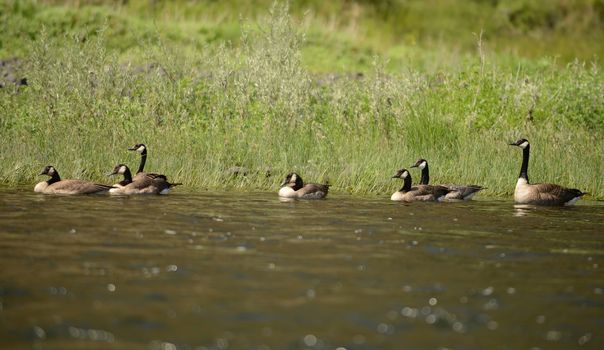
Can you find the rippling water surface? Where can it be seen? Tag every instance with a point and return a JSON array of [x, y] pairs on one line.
[[246, 271]]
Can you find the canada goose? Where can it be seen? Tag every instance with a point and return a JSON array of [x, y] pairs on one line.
[[417, 193], [458, 192], [57, 186], [127, 176], [142, 149], [294, 187], [142, 185], [541, 193]]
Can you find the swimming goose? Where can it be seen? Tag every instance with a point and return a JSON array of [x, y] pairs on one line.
[[458, 192], [57, 186], [125, 172], [419, 192], [294, 187], [142, 149], [142, 185], [540, 193]]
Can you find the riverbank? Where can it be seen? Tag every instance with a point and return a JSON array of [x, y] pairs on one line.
[[258, 106]]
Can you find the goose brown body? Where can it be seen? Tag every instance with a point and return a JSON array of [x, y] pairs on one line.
[[55, 185], [457, 192], [424, 193], [545, 194], [294, 187], [140, 185]]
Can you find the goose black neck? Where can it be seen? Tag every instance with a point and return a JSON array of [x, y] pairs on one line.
[[298, 184], [54, 178], [141, 167], [425, 176], [525, 162], [127, 176], [406, 184]]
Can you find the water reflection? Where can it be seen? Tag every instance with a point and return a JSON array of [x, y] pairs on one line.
[[521, 210], [219, 271]]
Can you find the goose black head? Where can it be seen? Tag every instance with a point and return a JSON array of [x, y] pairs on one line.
[[139, 147], [401, 174], [48, 170], [421, 163], [522, 143], [119, 169], [293, 180]]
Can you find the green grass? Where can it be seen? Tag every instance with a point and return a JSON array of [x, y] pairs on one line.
[[257, 104], [341, 35]]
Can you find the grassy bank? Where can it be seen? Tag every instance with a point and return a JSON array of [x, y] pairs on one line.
[[256, 104], [341, 35]]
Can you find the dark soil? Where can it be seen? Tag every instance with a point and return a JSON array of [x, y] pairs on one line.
[[10, 72]]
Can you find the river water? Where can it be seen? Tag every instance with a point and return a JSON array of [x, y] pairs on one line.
[[246, 271]]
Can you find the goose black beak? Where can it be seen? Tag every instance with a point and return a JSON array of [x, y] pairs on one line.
[[132, 148], [414, 166], [111, 173], [42, 173], [394, 177], [512, 144]]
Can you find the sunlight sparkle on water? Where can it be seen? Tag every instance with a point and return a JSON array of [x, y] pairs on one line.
[[39, 332], [488, 291], [384, 328], [584, 339], [310, 340], [91, 334], [409, 312]]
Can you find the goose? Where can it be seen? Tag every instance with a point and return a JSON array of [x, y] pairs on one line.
[[142, 185], [125, 172], [142, 149], [458, 192], [294, 187], [57, 186], [540, 193], [417, 193]]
